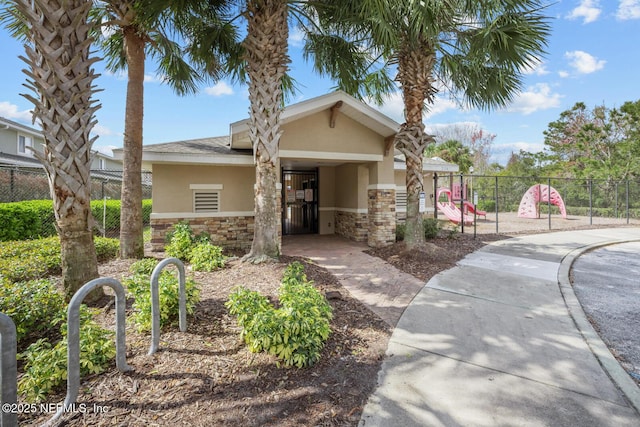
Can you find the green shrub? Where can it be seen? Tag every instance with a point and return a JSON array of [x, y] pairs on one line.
[[139, 285], [400, 230], [297, 331], [207, 257], [36, 307], [45, 366], [26, 220], [431, 228], [35, 259], [181, 241], [106, 248]]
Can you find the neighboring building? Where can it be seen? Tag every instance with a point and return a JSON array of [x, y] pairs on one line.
[[17, 142], [338, 175]]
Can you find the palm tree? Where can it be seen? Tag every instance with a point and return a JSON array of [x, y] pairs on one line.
[[266, 56], [61, 76], [475, 50], [128, 32]]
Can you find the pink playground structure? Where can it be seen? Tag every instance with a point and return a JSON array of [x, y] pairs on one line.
[[449, 208], [539, 193]]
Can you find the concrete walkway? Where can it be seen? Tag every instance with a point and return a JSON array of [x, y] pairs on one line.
[[499, 340]]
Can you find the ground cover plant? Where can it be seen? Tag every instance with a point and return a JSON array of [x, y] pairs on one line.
[[138, 286], [37, 307]]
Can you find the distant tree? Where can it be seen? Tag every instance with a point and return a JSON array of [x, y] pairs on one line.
[[452, 151], [472, 136], [600, 143]]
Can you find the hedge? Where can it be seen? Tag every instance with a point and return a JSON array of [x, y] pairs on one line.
[[33, 219]]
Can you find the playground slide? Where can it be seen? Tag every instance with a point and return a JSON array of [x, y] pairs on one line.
[[453, 214], [449, 209], [472, 209]]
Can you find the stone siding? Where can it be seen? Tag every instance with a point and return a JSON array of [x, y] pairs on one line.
[[352, 225], [228, 232], [382, 218]]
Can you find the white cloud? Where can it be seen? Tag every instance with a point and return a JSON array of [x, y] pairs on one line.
[[583, 62], [628, 9], [102, 131], [535, 98], [394, 106], [11, 112], [148, 78], [219, 89], [587, 10], [296, 37], [563, 74], [108, 150], [537, 68]]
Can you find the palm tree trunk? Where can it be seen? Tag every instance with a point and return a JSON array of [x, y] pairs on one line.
[[60, 74], [266, 54], [131, 236], [414, 74]]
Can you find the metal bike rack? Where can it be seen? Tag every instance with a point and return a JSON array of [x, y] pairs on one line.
[[155, 301], [8, 370]]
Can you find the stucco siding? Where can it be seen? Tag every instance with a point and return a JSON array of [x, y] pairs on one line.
[[313, 133], [172, 192]]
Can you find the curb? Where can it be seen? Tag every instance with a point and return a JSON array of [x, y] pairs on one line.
[[600, 350]]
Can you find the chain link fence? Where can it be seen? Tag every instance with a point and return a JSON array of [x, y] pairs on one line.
[[588, 202], [18, 184]]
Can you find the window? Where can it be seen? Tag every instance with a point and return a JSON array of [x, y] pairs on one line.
[[206, 197], [102, 164], [24, 142]]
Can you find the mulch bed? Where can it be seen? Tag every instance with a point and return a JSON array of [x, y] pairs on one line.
[[207, 377]]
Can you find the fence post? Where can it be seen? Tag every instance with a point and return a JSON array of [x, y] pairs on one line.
[[8, 371], [461, 204], [496, 193], [549, 200], [590, 202], [155, 301], [435, 194], [12, 181], [627, 201], [73, 337]]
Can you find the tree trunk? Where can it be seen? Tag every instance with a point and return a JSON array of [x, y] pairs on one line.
[[267, 59], [131, 236], [414, 74], [61, 76]]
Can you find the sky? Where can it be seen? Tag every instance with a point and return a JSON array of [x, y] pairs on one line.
[[593, 56]]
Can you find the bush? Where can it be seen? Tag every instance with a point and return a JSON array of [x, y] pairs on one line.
[[35, 259], [181, 241], [139, 286], [45, 366], [35, 219], [297, 331], [26, 220], [432, 228], [207, 257], [36, 307]]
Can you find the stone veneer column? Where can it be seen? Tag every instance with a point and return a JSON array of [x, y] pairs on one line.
[[382, 217]]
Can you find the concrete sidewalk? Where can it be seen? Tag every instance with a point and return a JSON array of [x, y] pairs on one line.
[[500, 340]]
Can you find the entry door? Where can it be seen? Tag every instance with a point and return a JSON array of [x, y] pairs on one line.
[[299, 201]]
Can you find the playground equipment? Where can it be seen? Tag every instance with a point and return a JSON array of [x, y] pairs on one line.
[[449, 208], [536, 194]]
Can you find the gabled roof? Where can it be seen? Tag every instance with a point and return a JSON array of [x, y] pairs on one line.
[[195, 151], [344, 103]]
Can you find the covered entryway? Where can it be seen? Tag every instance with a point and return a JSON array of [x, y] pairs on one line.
[[299, 201]]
